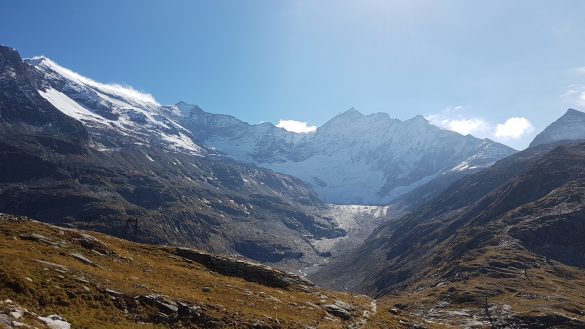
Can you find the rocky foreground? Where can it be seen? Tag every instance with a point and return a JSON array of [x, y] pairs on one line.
[[51, 277]]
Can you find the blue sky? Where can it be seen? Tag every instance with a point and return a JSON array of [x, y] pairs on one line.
[[498, 69]]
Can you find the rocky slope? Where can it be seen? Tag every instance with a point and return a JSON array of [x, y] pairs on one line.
[[512, 233], [353, 158], [52, 277], [79, 153], [22, 108], [571, 126]]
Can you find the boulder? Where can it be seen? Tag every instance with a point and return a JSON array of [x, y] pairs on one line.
[[164, 304], [37, 237], [91, 243], [81, 258], [337, 311], [55, 322]]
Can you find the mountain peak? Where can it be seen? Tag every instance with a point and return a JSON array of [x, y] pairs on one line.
[[570, 126], [45, 63], [37, 60], [572, 112], [4, 50], [11, 58], [418, 119], [351, 112], [342, 118], [187, 108]]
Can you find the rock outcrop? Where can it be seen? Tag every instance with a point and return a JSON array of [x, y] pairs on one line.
[[249, 271]]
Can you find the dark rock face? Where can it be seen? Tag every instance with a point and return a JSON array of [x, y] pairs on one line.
[[264, 252], [22, 109], [249, 271], [87, 174]]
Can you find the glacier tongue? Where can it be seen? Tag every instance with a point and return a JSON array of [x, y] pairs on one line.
[[358, 221]]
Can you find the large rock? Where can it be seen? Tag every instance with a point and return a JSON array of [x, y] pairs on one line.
[[243, 269], [91, 243], [338, 310]]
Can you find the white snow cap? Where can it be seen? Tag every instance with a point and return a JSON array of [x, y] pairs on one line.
[[124, 91]]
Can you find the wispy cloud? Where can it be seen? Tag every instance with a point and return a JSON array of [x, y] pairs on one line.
[[296, 126], [575, 95], [460, 120], [113, 88]]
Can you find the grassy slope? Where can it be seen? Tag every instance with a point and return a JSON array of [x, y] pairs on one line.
[[77, 292], [548, 294]]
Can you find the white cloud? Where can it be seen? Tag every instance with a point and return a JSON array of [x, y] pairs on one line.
[[514, 127], [465, 126], [459, 120], [112, 88], [454, 118], [575, 93], [296, 126]]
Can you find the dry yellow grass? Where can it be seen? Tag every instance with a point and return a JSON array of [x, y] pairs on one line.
[[77, 291], [548, 294], [46, 279]]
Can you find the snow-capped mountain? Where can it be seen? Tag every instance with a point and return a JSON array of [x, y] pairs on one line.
[[571, 126], [94, 154], [353, 158], [114, 114], [80, 153]]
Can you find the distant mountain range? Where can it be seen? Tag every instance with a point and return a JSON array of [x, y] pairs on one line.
[[353, 158]]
